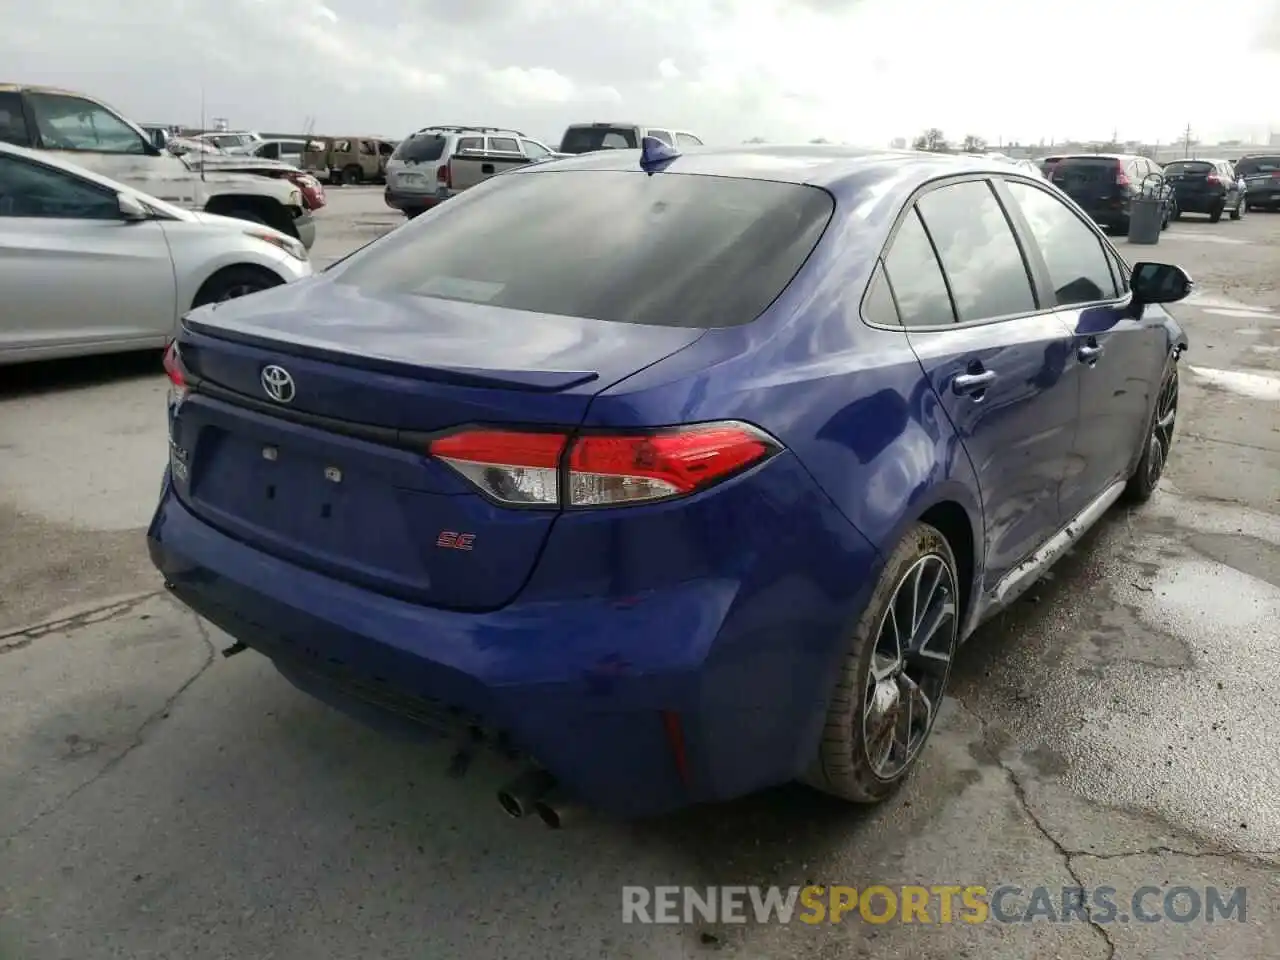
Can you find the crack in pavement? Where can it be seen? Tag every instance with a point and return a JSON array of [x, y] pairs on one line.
[[139, 735], [25, 636]]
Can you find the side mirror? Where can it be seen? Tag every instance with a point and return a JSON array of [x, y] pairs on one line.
[[131, 209], [1159, 283]]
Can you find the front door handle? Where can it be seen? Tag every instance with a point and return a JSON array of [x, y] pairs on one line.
[[968, 384], [1089, 354]]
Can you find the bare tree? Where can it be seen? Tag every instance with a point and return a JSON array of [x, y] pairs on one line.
[[932, 140], [974, 144]]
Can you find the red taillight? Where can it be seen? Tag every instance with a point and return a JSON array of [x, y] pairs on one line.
[[1213, 180], [1122, 178], [173, 370], [443, 177], [1275, 173], [518, 467]]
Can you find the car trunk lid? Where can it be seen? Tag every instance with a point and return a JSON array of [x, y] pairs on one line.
[[334, 475]]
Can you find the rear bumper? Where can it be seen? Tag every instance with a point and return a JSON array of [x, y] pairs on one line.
[[584, 686], [1200, 202], [1267, 195], [400, 200]]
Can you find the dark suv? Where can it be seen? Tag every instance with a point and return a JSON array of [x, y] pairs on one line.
[[1105, 184], [1206, 186], [1261, 175]]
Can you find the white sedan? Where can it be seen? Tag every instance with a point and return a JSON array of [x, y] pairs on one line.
[[88, 265]]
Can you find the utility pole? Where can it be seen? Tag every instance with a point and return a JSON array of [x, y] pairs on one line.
[[1186, 142]]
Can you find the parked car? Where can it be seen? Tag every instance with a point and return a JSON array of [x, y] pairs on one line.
[[232, 141], [678, 479], [1046, 165], [349, 160], [1261, 175], [1206, 186], [1105, 185], [288, 151], [589, 137], [96, 137], [419, 175], [89, 265]]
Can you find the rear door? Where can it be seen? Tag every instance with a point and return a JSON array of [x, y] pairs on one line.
[[1115, 355], [71, 270], [996, 363]]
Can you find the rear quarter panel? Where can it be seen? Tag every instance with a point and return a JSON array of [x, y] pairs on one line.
[[468, 169]]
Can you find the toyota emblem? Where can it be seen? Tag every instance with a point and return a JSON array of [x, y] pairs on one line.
[[278, 383]]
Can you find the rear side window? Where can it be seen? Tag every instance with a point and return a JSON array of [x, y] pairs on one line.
[[13, 126], [878, 306], [422, 148], [687, 140], [978, 251], [1251, 166], [916, 278], [672, 250], [587, 139], [504, 145], [663, 136], [470, 143], [1073, 253]]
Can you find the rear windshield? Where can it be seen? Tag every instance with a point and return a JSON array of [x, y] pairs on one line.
[[1251, 165], [421, 148], [1183, 167], [669, 250], [1083, 169], [587, 139]]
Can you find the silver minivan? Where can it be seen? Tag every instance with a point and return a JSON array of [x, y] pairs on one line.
[[418, 174]]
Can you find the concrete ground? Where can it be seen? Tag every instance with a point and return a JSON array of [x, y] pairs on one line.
[[1120, 727]]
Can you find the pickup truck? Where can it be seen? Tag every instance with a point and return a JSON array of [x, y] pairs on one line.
[[90, 134], [470, 167]]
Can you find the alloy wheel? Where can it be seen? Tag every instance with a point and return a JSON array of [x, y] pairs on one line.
[[1162, 428], [909, 666]]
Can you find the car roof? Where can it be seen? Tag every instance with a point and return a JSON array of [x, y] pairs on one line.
[[824, 166]]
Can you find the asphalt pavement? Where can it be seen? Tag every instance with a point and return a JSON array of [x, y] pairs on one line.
[[1120, 727]]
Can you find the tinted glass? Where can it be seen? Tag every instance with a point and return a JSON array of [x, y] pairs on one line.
[[1249, 166], [13, 126], [586, 139], [34, 190], [422, 148], [916, 278], [71, 123], [1188, 167], [878, 306], [685, 251], [978, 251], [1076, 258], [504, 145]]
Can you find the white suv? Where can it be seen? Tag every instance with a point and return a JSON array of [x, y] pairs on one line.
[[418, 174], [590, 137]]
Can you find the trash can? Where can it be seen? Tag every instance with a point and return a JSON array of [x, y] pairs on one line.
[[1146, 214], [1146, 210]]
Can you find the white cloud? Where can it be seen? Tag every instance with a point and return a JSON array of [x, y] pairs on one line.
[[848, 70]]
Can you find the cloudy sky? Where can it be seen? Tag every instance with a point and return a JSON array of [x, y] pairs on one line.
[[855, 70]]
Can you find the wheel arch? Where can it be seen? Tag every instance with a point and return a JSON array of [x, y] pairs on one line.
[[267, 209], [223, 269]]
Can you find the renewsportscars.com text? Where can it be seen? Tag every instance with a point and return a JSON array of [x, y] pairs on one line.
[[937, 904]]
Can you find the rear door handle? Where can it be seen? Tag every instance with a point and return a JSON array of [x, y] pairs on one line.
[[967, 384], [1089, 355]]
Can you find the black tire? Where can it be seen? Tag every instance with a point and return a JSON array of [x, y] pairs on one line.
[[843, 766], [351, 175], [1216, 214], [230, 283], [1157, 439]]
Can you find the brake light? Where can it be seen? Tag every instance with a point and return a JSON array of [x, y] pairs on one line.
[[1122, 178], [173, 370], [1275, 173], [443, 177], [595, 470], [1213, 180]]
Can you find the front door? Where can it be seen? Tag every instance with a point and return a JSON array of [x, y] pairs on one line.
[[71, 269], [996, 364]]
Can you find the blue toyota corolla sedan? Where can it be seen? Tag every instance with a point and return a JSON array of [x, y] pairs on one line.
[[672, 476]]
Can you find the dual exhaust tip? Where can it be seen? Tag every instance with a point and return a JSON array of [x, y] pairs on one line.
[[534, 793]]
